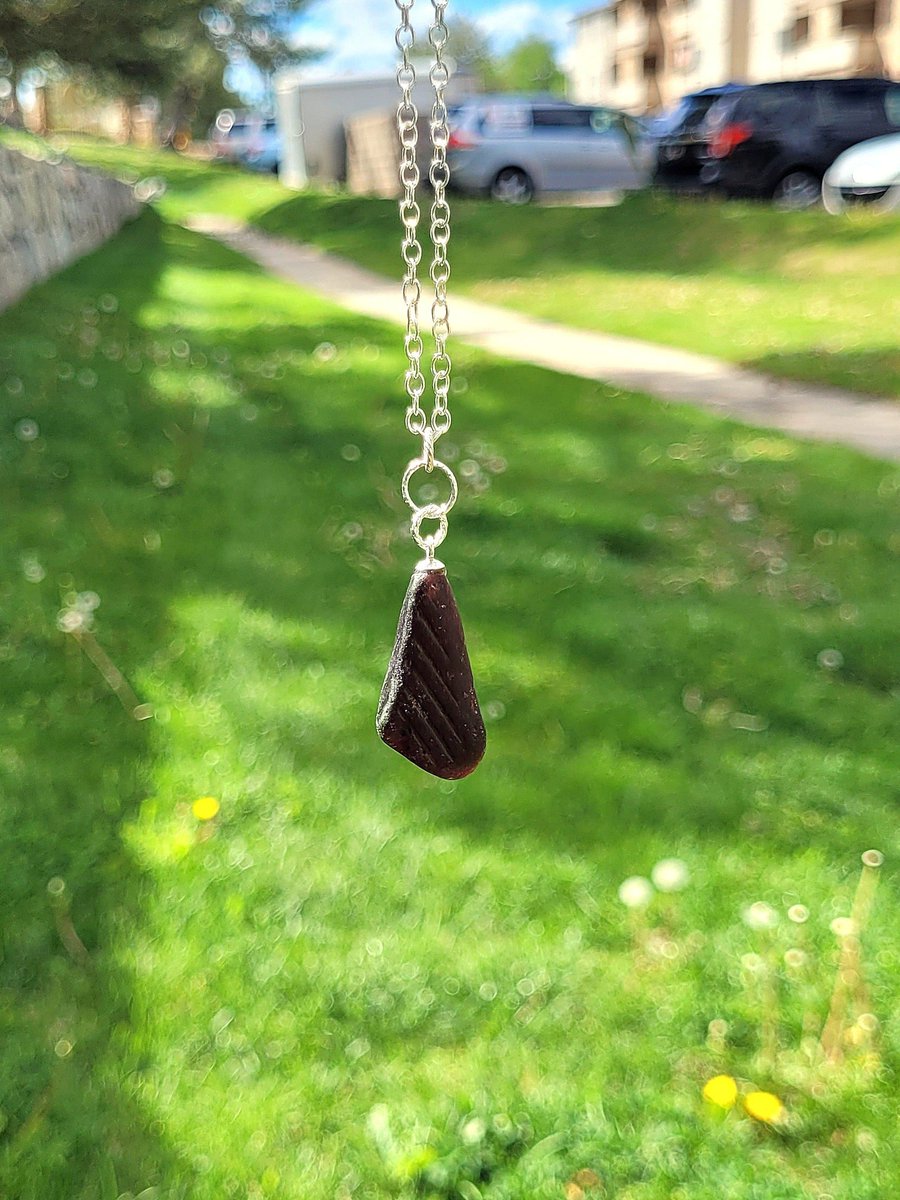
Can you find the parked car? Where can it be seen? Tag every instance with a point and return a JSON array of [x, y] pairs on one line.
[[778, 139], [680, 138], [513, 147], [865, 174], [244, 137], [263, 151]]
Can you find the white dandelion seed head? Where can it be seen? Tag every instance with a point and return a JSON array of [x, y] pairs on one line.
[[670, 875], [635, 891], [760, 915], [473, 1131]]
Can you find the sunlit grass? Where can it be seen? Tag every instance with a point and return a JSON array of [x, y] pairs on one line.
[[799, 295], [351, 980], [803, 295]]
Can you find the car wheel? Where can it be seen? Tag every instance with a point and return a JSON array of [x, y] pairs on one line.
[[797, 190], [512, 186]]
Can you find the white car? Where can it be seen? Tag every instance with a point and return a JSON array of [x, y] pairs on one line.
[[868, 173]]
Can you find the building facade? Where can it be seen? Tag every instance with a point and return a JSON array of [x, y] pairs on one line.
[[641, 55]]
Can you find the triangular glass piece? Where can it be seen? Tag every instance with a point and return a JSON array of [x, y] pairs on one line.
[[428, 710]]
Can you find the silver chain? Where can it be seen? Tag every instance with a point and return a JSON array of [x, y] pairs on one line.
[[429, 427]]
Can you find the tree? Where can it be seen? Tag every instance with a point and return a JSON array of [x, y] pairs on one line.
[[531, 66], [470, 50], [174, 49], [261, 33]]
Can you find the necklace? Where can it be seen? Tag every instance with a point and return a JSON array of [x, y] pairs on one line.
[[428, 710]]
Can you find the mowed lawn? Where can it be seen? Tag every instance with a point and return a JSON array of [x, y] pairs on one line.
[[802, 295], [248, 951]]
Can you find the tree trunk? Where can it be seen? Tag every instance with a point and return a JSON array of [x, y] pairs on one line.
[[14, 112]]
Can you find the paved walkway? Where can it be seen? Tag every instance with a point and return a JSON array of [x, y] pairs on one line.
[[803, 410]]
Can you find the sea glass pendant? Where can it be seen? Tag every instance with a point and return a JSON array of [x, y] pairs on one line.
[[428, 710]]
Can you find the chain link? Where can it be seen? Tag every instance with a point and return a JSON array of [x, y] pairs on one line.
[[439, 175], [429, 428], [408, 130]]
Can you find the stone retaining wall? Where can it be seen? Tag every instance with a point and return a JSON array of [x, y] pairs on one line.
[[52, 213]]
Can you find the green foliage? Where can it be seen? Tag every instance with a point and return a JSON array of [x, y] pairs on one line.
[[263, 34], [176, 49], [531, 66], [136, 44], [356, 980], [471, 51]]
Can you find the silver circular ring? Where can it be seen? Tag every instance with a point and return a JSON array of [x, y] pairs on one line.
[[433, 510], [431, 541]]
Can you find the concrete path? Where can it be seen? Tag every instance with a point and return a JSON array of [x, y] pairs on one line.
[[803, 410]]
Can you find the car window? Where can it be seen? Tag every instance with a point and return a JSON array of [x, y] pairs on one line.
[[720, 112], [563, 118], [852, 101], [505, 118], [892, 105], [696, 113], [775, 104]]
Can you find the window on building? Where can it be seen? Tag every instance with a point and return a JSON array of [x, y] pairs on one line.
[[685, 56], [649, 66], [800, 30], [615, 71], [860, 15]]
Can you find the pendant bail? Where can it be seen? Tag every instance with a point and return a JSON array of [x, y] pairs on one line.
[[428, 449]]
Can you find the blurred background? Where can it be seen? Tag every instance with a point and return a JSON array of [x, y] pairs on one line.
[[649, 950], [301, 91]]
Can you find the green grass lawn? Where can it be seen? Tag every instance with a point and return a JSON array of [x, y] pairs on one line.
[[357, 981], [803, 295]]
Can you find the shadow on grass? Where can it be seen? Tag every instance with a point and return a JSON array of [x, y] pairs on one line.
[[73, 765], [607, 570], [875, 372]]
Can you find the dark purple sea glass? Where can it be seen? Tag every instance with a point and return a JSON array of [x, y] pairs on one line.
[[428, 710]]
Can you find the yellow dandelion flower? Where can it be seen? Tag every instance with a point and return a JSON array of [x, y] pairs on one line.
[[721, 1090], [205, 808], [763, 1106]]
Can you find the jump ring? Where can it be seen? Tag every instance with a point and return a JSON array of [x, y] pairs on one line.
[[418, 464], [430, 542]]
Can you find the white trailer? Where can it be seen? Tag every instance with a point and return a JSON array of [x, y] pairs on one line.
[[312, 116]]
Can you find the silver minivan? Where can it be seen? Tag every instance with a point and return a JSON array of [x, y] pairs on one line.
[[512, 147]]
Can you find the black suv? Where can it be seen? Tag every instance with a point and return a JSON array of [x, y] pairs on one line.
[[778, 139], [680, 139]]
